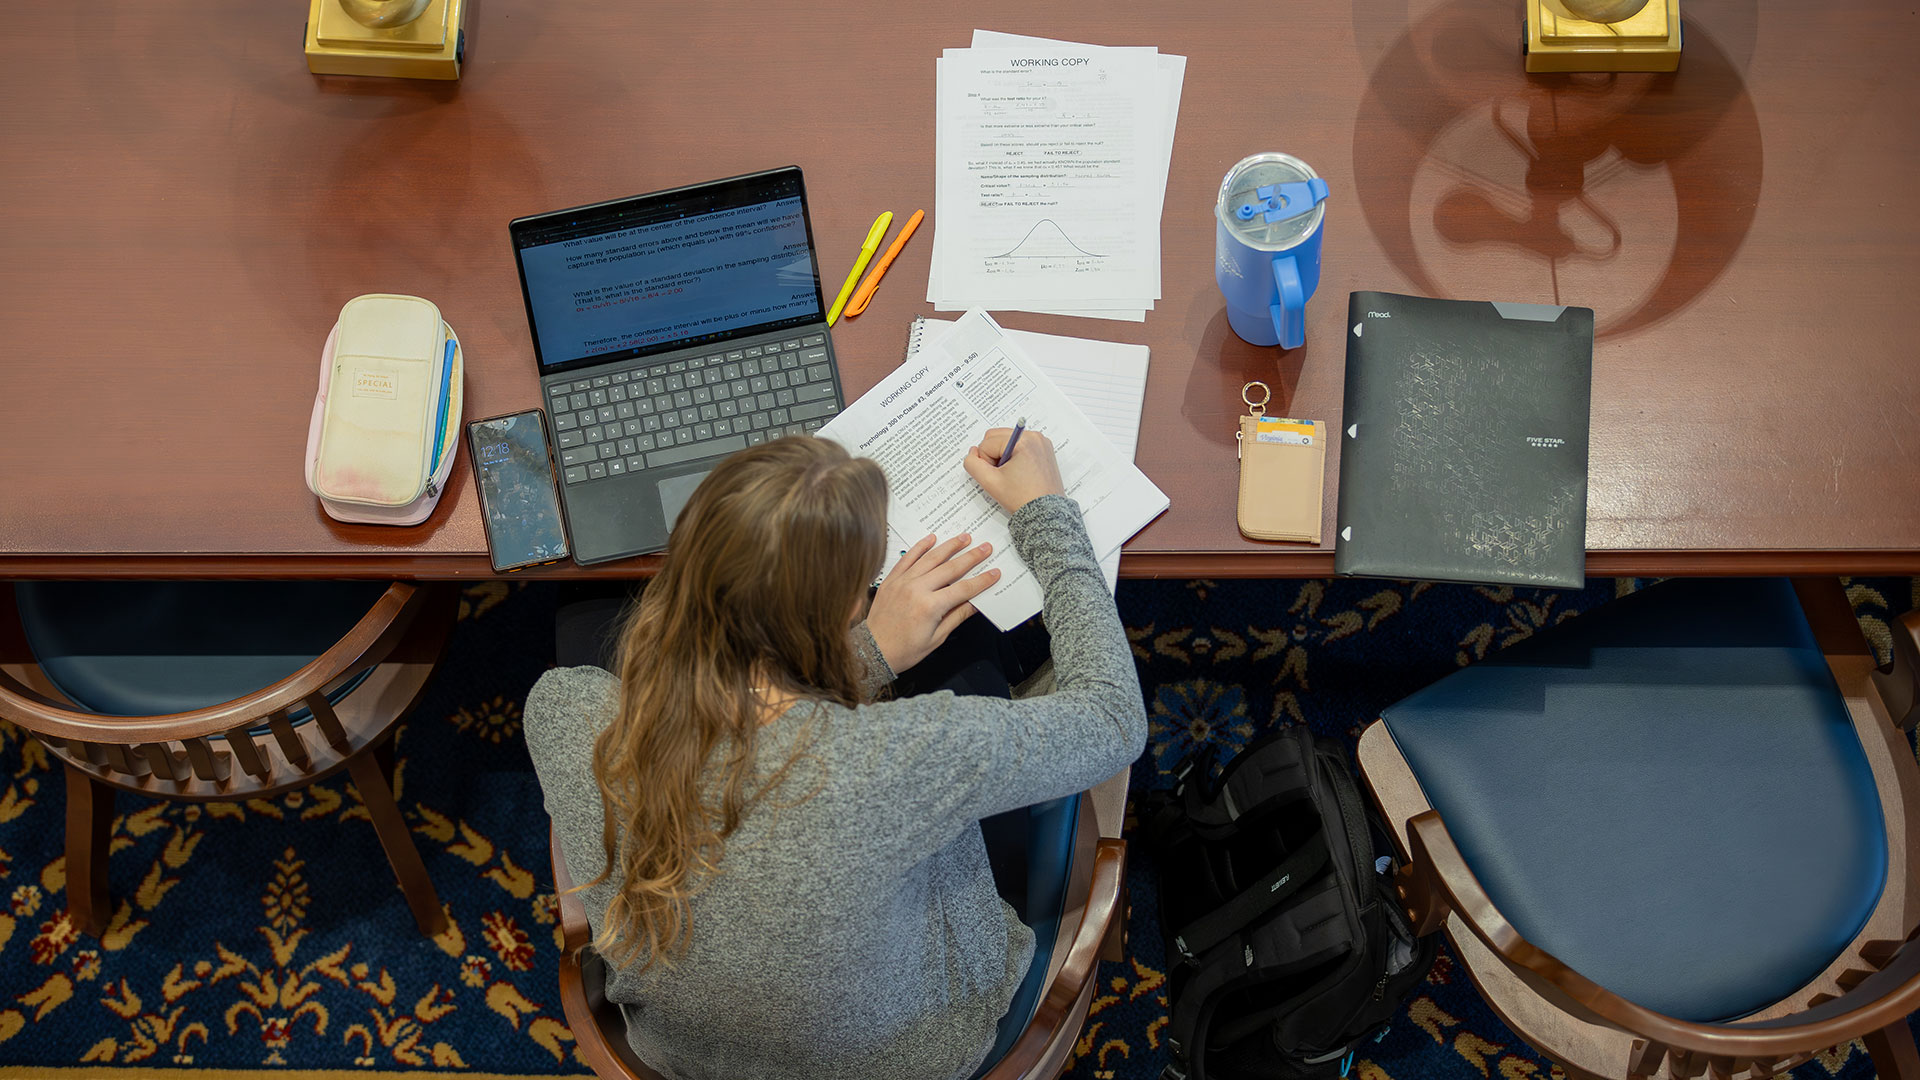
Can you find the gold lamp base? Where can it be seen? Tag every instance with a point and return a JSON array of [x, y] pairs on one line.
[[1648, 40], [429, 47]]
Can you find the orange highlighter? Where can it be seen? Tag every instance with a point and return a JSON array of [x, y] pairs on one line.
[[867, 288]]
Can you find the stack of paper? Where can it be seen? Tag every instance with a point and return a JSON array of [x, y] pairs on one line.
[[1050, 172], [1105, 379], [918, 422]]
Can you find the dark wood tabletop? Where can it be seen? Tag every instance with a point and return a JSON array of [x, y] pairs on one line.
[[184, 209]]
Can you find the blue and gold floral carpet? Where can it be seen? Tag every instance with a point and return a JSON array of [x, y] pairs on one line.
[[268, 938]]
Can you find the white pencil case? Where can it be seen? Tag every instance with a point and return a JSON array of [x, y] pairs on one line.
[[386, 420]]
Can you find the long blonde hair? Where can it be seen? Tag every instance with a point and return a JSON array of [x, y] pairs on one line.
[[762, 573]]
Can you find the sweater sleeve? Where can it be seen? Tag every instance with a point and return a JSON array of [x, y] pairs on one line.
[[565, 711], [875, 673], [953, 760]]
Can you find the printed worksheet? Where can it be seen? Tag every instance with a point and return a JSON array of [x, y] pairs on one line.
[[1048, 185], [1106, 379], [1172, 71], [1172, 74], [920, 420]]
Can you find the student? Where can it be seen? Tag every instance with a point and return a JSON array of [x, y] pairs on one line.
[[799, 885]]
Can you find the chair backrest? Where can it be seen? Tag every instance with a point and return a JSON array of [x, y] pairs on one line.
[[193, 754], [1094, 901], [1044, 1047]]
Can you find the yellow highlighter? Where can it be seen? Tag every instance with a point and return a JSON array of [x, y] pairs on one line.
[[874, 235], [865, 293]]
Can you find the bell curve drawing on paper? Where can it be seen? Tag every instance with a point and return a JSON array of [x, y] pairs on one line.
[[1046, 240]]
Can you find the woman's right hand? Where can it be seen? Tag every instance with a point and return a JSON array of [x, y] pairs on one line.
[[1031, 472], [925, 596]]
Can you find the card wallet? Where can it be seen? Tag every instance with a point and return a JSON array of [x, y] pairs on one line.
[[1282, 463]]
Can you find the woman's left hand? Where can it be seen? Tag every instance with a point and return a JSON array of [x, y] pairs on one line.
[[925, 596]]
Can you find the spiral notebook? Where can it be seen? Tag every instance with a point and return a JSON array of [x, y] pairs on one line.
[[1106, 379]]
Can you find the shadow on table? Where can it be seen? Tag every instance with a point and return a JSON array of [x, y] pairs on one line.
[[1629, 193], [1223, 363]]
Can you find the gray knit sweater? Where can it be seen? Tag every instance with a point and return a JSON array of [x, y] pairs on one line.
[[856, 933]]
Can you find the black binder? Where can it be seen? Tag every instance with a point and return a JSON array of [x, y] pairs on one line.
[[1463, 450]]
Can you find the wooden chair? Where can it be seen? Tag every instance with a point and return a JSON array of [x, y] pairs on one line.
[[1092, 929], [329, 711], [1860, 978]]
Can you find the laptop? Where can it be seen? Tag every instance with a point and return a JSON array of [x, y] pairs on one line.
[[671, 330]]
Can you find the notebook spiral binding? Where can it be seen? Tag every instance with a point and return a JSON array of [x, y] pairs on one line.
[[916, 332]]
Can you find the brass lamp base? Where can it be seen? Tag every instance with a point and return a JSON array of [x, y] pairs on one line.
[[430, 47], [1649, 40]]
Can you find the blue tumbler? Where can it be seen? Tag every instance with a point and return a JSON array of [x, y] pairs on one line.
[[1267, 246]]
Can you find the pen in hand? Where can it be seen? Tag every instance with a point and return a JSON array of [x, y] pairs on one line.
[[1037, 473], [1019, 426]]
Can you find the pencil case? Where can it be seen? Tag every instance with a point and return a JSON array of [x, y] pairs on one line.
[[383, 435]]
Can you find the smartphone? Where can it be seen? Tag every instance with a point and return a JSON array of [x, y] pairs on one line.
[[513, 469]]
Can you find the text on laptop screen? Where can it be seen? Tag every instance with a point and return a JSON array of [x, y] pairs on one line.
[[684, 280]]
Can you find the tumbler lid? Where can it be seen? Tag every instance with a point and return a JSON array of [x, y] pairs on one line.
[[1271, 201]]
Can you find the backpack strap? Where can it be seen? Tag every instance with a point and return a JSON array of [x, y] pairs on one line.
[[1192, 1012], [1255, 900], [1307, 935], [1163, 814], [1316, 929], [1275, 770], [1329, 1007]]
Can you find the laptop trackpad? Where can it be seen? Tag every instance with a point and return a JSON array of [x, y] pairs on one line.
[[674, 493]]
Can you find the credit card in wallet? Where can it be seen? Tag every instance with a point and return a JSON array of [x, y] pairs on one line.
[[1274, 429]]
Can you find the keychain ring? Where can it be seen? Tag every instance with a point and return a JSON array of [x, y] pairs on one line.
[[1246, 395]]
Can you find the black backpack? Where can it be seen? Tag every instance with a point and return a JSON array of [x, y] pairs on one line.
[[1287, 947]]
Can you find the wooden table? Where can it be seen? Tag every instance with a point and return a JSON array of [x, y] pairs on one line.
[[185, 209]]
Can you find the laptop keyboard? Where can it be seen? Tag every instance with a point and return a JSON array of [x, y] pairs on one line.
[[653, 415]]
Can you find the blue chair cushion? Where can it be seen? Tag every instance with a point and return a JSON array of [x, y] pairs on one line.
[[1666, 794], [140, 648]]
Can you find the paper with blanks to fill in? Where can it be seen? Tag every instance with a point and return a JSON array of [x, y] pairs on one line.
[[920, 420], [1107, 379], [1045, 179], [1172, 72]]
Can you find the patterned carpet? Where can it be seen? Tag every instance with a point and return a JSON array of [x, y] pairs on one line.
[[267, 938]]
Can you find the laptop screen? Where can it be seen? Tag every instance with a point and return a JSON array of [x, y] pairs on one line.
[[676, 269]]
